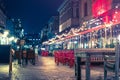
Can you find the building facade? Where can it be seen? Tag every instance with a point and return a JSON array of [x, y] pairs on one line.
[[53, 26], [85, 10], [99, 26], [32, 38], [74, 13], [90, 9], [69, 14], [44, 33], [3, 16], [97, 22], [18, 28]]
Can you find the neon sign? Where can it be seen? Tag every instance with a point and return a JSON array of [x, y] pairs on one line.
[[100, 6]]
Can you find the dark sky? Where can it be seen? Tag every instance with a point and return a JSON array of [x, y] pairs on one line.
[[33, 13]]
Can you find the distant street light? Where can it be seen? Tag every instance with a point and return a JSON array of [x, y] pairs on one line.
[[11, 38], [6, 32]]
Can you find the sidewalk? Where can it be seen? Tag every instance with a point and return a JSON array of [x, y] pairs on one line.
[[46, 69], [4, 72]]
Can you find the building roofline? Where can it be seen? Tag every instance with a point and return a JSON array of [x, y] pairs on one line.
[[61, 6]]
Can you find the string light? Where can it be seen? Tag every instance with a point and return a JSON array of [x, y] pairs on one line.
[[74, 31], [116, 6]]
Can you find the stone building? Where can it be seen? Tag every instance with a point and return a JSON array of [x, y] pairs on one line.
[[69, 14], [73, 13]]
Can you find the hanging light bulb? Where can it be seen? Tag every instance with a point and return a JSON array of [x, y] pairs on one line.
[[116, 6]]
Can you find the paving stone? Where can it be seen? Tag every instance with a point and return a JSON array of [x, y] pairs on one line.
[[46, 69]]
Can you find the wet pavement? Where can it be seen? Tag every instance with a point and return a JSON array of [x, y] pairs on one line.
[[4, 72], [46, 69]]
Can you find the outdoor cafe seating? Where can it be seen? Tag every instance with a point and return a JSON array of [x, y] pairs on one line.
[[24, 55], [44, 53], [65, 57], [112, 63]]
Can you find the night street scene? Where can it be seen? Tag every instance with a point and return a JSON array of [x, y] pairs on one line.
[[59, 39]]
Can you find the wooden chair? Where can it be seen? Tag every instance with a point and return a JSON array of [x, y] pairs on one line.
[[111, 63], [17, 54], [72, 60], [31, 56]]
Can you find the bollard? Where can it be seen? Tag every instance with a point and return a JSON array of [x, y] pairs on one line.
[[78, 68], [88, 66]]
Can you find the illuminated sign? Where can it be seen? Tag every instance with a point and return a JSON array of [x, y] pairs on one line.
[[100, 6]]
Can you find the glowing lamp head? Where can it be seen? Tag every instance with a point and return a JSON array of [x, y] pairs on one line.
[[118, 38]]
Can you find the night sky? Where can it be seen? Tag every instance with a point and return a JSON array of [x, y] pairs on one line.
[[33, 13]]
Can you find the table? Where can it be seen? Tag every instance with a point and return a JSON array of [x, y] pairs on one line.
[[86, 53]]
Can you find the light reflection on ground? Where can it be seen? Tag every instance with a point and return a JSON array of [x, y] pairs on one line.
[[46, 69]]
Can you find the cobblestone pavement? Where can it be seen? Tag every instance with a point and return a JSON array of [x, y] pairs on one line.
[[46, 69]]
